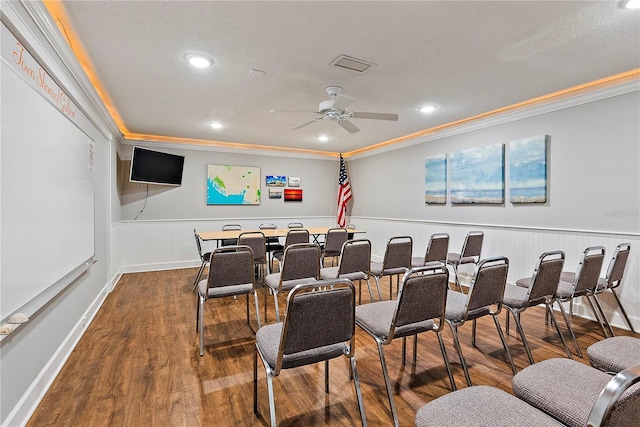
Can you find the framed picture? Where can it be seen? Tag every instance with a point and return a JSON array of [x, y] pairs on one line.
[[435, 180], [275, 193], [292, 195], [294, 181], [477, 175], [276, 181], [233, 185], [528, 170]]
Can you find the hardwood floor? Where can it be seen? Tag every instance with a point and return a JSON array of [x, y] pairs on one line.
[[138, 365]]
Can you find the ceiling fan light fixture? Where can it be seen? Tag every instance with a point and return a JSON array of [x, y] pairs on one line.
[[216, 125], [426, 109], [199, 61]]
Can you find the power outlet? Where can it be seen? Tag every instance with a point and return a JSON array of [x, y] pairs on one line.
[[84, 321]]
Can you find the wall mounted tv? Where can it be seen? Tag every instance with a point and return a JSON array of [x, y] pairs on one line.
[[154, 167]]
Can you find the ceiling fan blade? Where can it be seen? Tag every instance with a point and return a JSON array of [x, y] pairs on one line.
[[375, 116], [305, 124], [342, 102], [348, 126]]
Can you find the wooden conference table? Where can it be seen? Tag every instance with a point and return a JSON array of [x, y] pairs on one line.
[[315, 232]]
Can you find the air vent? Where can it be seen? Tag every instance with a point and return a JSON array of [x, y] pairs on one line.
[[353, 64]]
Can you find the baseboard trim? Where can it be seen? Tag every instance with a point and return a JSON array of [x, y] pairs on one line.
[[30, 400]]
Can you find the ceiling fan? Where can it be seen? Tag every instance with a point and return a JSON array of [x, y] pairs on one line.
[[335, 109]]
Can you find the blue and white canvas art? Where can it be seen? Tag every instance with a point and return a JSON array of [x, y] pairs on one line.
[[477, 175], [435, 180], [528, 170]]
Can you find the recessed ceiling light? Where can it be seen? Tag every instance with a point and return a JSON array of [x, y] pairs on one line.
[[216, 125], [427, 109], [323, 138], [631, 4], [199, 61]]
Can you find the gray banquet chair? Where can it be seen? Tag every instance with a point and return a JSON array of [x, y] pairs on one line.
[[419, 307], [484, 298], [470, 253], [578, 395], [319, 325], [614, 354], [300, 264], [258, 244], [436, 253], [230, 273], [294, 236], [273, 243], [396, 261], [354, 264], [204, 259], [540, 289], [229, 227], [553, 397], [583, 284], [333, 243]]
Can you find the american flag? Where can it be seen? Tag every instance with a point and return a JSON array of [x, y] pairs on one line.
[[344, 193]]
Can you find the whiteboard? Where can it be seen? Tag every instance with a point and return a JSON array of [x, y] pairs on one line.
[[47, 197]]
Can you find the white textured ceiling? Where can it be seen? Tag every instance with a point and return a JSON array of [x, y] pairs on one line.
[[468, 57]]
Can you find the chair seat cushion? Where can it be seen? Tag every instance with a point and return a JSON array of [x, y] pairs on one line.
[[223, 291], [273, 281], [516, 297], [456, 307], [328, 273], [376, 270], [570, 276], [268, 343], [481, 406], [525, 282], [563, 388], [454, 259], [376, 318], [564, 290], [615, 354]]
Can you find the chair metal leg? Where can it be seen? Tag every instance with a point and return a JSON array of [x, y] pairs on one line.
[[445, 357], [247, 295], [369, 288], [504, 342], [197, 279], [272, 403], [197, 312], [622, 310], [275, 300], [255, 380], [610, 332], [516, 317], [456, 343], [356, 381], [404, 351], [326, 376], [378, 286], [201, 312], [387, 383], [597, 315], [506, 325], [555, 323], [255, 299], [415, 349], [473, 332], [568, 323]]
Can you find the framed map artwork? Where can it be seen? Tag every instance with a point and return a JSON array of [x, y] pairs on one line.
[[233, 185]]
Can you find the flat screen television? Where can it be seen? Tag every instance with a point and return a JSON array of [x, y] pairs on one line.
[[154, 167]]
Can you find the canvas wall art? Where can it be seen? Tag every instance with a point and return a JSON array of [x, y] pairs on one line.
[[528, 170], [233, 185], [477, 175], [275, 193], [292, 195], [435, 180], [276, 181], [294, 181]]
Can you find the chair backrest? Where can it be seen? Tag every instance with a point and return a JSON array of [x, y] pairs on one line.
[[398, 253], [295, 225], [472, 246], [588, 271], [300, 261], [231, 265], [355, 256], [198, 245], [422, 296], [488, 284], [296, 236], [318, 317], [271, 239], [335, 239], [437, 248], [257, 242], [546, 275], [617, 405], [617, 265], [231, 227]]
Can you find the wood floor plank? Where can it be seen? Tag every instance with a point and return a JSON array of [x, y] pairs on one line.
[[138, 364]]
